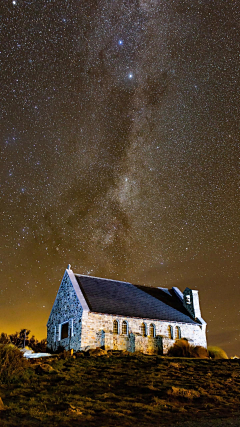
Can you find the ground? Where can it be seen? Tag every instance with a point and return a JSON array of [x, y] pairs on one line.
[[123, 389]]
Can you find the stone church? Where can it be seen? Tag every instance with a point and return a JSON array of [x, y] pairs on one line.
[[91, 312]]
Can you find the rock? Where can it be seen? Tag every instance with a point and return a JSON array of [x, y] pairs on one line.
[[97, 352]]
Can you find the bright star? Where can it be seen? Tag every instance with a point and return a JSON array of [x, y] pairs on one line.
[[14, 2], [120, 42], [130, 75]]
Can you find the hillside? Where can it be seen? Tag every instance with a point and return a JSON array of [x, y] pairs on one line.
[[122, 389]]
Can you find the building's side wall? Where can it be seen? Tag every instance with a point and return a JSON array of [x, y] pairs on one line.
[[66, 308], [97, 331]]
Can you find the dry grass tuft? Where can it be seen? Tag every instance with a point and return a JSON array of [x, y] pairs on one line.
[[183, 393]]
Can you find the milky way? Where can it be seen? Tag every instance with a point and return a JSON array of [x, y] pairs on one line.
[[120, 152]]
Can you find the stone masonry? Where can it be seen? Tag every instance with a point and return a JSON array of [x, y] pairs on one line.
[[66, 309], [133, 340], [73, 326]]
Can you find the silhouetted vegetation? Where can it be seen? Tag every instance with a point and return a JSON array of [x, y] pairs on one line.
[[22, 338]]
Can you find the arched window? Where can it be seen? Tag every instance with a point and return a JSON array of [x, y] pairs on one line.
[[170, 332], [115, 327], [143, 329], [178, 332], [152, 330], [124, 327]]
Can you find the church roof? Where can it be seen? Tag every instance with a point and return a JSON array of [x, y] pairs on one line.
[[125, 299]]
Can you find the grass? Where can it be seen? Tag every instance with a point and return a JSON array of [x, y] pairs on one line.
[[120, 389]]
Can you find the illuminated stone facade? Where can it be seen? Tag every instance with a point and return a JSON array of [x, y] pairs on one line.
[[73, 325]]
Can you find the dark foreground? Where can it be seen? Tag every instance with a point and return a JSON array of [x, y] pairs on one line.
[[124, 390]]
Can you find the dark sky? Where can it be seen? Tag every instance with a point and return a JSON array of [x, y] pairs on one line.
[[120, 152]]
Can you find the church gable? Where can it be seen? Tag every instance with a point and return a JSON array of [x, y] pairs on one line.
[[65, 321]]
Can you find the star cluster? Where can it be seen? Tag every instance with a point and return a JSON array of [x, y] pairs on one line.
[[120, 152]]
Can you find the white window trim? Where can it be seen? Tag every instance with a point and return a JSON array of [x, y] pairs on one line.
[[71, 323], [59, 331]]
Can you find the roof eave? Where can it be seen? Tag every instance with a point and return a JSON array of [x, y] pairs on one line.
[[149, 318], [78, 291]]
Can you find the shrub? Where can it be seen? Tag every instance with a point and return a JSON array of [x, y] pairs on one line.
[[12, 362], [217, 353], [4, 338], [199, 352], [182, 348], [38, 346]]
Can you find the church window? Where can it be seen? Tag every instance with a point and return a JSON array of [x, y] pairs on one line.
[[64, 330], [115, 327], [143, 329], [170, 332], [124, 327], [188, 299], [152, 332], [178, 332]]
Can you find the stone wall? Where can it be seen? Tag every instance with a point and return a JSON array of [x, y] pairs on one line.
[[97, 331], [66, 308]]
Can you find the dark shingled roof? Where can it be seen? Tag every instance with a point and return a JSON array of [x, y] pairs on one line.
[[125, 299]]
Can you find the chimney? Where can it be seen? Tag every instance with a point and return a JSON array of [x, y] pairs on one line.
[[191, 303]]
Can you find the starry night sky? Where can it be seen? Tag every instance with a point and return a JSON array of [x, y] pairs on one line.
[[120, 152]]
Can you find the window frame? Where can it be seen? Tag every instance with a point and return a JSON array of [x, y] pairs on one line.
[[116, 323], [125, 323], [170, 332], [143, 329], [178, 333], [68, 330], [153, 328]]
